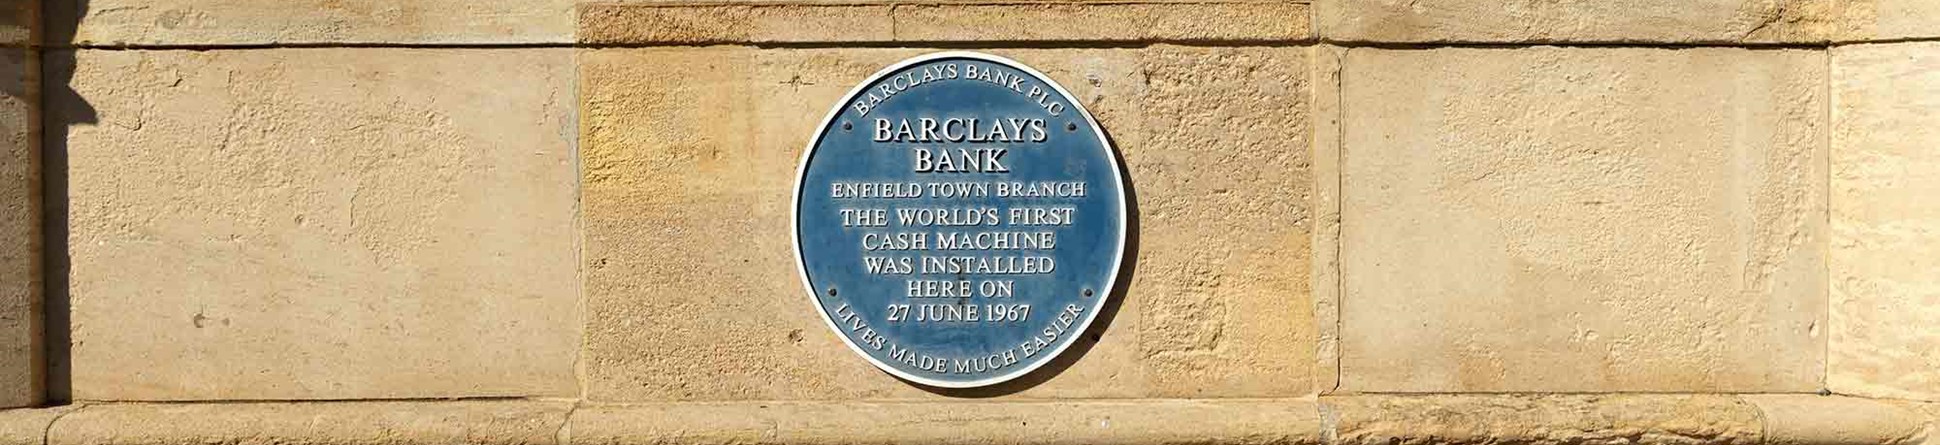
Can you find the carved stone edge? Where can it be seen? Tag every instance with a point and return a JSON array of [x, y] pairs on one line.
[[687, 23], [1331, 420]]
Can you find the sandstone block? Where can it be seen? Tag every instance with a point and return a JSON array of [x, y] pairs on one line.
[[321, 223], [1582, 219], [1864, 20], [762, 22], [1288, 422], [1157, 21], [745, 22], [689, 162], [1628, 21], [21, 376], [1821, 420], [1932, 412], [28, 426], [1475, 419], [1537, 419], [255, 22], [1885, 245], [314, 423]]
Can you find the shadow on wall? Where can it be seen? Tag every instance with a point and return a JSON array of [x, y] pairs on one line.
[[61, 107], [1128, 268]]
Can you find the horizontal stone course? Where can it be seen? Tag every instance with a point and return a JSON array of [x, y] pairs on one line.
[[1087, 422], [366, 423], [1875, 20], [1467, 419], [1707, 22], [257, 22], [1577, 21], [1808, 420], [320, 223], [28, 426], [1330, 420], [246, 22], [861, 22]]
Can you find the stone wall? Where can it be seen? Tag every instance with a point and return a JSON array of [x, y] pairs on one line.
[[22, 369], [1883, 208], [1354, 222]]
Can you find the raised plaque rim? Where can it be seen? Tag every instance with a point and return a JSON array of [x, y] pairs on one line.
[[1118, 255]]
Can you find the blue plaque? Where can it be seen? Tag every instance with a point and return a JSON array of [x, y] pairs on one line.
[[959, 219]]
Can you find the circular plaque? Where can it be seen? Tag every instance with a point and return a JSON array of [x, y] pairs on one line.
[[959, 219]]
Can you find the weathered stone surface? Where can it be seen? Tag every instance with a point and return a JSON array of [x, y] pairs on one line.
[[19, 19], [655, 22], [1495, 419], [1885, 242], [1819, 420], [328, 223], [21, 376], [28, 426], [1583, 219], [1337, 420], [1089, 422], [1169, 22], [1931, 436], [1638, 21], [762, 22], [1325, 280], [1863, 20], [230, 22], [319, 423], [689, 161]]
